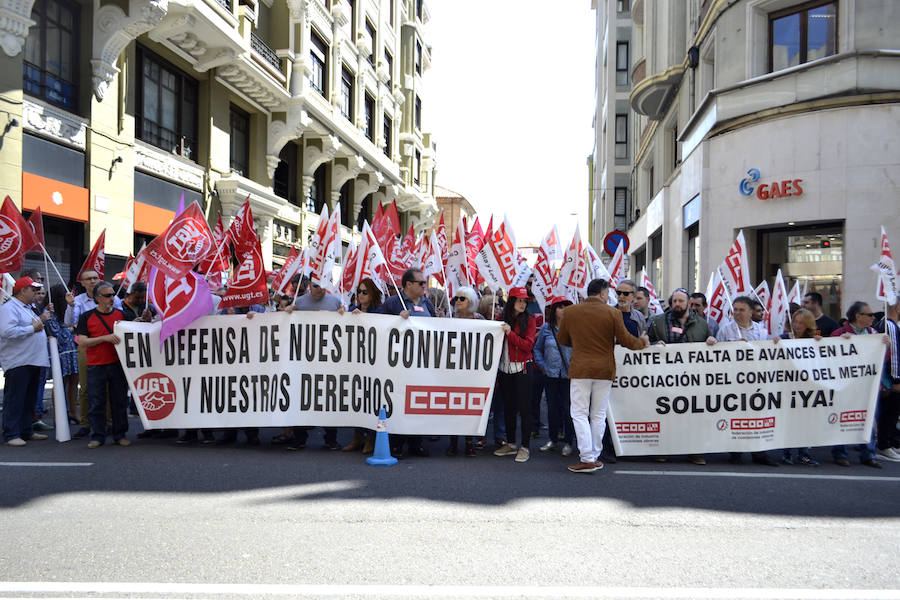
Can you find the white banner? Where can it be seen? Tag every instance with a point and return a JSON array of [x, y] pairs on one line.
[[745, 396], [432, 376]]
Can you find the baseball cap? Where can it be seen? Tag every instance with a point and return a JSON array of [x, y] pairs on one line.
[[518, 292], [24, 282]]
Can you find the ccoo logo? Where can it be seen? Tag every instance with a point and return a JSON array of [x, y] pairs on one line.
[[722, 425]]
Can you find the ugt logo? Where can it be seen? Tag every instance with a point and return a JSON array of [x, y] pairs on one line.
[[746, 186], [156, 393]]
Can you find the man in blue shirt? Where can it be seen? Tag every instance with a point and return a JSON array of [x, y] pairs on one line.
[[23, 353]]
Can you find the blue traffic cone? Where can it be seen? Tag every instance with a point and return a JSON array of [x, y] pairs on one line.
[[382, 456]]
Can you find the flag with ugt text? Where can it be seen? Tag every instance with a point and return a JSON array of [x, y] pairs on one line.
[[735, 269], [180, 301], [185, 242], [887, 290], [248, 286], [242, 230], [16, 237]]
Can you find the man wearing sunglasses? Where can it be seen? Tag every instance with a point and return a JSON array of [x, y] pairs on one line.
[[104, 372], [78, 305]]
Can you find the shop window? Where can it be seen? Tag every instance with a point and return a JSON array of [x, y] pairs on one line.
[[239, 130], [620, 209], [51, 53], [369, 106], [621, 136], [318, 55], [801, 34], [167, 106], [347, 93], [621, 63]]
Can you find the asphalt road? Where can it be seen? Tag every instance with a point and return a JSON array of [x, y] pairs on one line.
[[214, 522]]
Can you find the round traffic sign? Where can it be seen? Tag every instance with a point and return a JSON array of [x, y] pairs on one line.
[[612, 239]]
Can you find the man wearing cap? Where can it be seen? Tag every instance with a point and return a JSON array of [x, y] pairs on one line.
[[23, 353], [78, 305], [592, 329]]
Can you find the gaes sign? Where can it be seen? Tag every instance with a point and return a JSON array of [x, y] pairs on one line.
[[767, 191]]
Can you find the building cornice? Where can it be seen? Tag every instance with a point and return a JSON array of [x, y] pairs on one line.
[[154, 161], [54, 123], [15, 19]]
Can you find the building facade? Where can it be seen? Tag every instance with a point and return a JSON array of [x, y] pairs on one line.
[[113, 109], [776, 117], [454, 206]]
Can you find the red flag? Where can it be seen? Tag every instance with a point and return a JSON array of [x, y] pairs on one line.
[[16, 237], [542, 287], [36, 223], [387, 227], [371, 259], [317, 250], [248, 286], [186, 241], [379, 212], [778, 310], [474, 242], [242, 230], [408, 247], [292, 264], [217, 259], [441, 233], [348, 272], [96, 259], [121, 274]]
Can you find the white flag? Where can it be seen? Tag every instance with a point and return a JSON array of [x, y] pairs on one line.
[[457, 272], [794, 294], [735, 269], [573, 273], [654, 304], [762, 292], [717, 296], [887, 290], [779, 309], [551, 246]]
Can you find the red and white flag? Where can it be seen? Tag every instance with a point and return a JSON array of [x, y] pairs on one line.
[[348, 282], [654, 304], [16, 238], [762, 293], [887, 289], [551, 246], [185, 242], [544, 274], [735, 269], [573, 273], [719, 301], [370, 259], [456, 268], [217, 259], [794, 295], [432, 264], [242, 230], [474, 242], [291, 266], [248, 286], [596, 268], [315, 253], [180, 301], [328, 251], [441, 233], [36, 222], [96, 259], [617, 267], [137, 270], [778, 309], [498, 260]]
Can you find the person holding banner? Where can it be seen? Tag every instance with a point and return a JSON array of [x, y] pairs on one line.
[[513, 381], [592, 329], [464, 303], [23, 354], [859, 322], [77, 306], [553, 360], [889, 402], [105, 377]]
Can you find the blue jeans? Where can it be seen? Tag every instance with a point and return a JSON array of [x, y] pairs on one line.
[[39, 396], [108, 380], [866, 451], [19, 394], [499, 414], [559, 411]]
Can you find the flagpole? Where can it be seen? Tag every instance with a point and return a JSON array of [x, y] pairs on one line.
[[46, 258]]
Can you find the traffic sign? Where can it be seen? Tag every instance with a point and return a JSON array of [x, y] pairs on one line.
[[612, 239]]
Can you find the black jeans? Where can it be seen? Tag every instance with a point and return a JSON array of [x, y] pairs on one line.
[[559, 409], [107, 381], [19, 395], [887, 414], [515, 389], [538, 383]]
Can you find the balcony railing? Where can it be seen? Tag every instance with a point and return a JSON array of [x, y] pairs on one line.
[[263, 49], [226, 4]]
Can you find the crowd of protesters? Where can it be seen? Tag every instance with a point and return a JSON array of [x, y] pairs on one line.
[[561, 358]]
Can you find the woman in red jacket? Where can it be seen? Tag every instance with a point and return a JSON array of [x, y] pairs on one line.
[[513, 382]]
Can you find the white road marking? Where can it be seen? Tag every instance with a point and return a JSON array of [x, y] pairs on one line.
[[759, 475], [46, 464], [438, 591]]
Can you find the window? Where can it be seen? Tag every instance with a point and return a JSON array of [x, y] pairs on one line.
[[693, 262], [318, 55], [363, 215], [620, 209], [656, 264], [51, 53], [800, 35], [284, 183], [239, 129], [389, 65], [621, 136], [650, 188], [346, 199], [350, 11], [167, 111], [417, 161], [315, 199], [621, 63], [369, 106], [391, 12], [370, 31], [418, 57], [388, 133], [623, 5], [347, 93], [419, 4], [418, 113]]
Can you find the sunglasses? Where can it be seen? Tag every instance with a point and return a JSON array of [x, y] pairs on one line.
[[316, 285], [459, 299], [108, 295], [417, 282], [624, 293], [862, 314], [362, 292]]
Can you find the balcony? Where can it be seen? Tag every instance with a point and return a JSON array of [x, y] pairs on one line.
[[651, 96], [265, 52], [639, 71]]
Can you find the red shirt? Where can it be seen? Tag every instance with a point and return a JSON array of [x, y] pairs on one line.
[[93, 324]]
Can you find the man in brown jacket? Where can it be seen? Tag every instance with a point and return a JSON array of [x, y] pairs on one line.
[[592, 329]]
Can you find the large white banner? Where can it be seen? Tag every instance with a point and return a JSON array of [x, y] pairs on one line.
[[432, 376], [745, 396]]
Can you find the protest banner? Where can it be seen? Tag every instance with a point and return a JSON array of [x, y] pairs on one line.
[[745, 396], [432, 376]]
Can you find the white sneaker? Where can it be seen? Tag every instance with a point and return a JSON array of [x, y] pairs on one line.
[[551, 445], [889, 454], [38, 436], [506, 450], [523, 455], [567, 450], [16, 442]]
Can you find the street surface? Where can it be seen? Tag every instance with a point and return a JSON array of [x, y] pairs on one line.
[[158, 520]]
